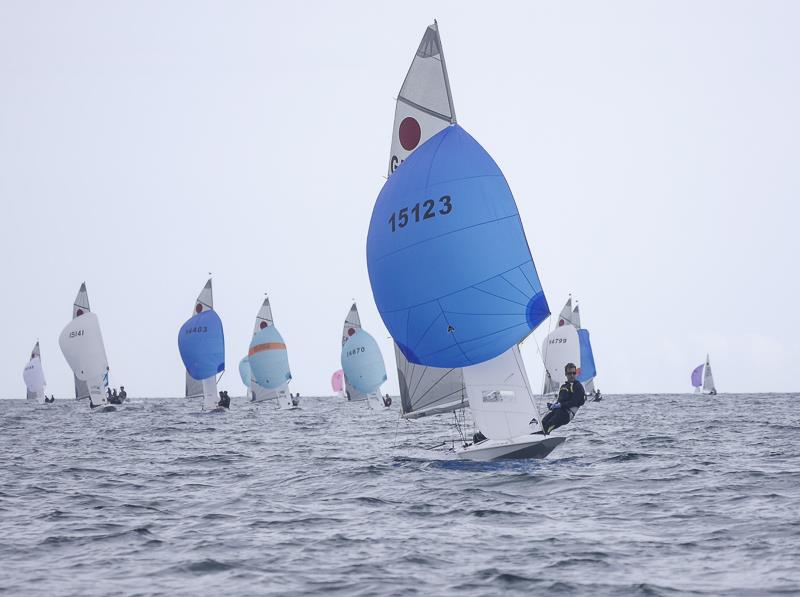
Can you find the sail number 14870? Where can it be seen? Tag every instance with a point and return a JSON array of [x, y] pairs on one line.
[[421, 211]]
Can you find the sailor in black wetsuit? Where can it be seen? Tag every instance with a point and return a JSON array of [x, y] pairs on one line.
[[224, 400], [571, 397]]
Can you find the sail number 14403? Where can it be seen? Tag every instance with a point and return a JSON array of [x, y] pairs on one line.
[[421, 211]]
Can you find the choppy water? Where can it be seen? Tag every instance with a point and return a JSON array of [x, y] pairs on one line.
[[651, 495]]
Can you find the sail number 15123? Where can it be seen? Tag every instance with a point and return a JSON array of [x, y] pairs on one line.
[[421, 211]]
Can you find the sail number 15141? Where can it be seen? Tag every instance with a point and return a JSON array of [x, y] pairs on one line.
[[421, 211]]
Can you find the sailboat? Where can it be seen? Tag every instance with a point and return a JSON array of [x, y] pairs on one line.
[[204, 302], [269, 365], [353, 390], [269, 362], [337, 383], [568, 343], [452, 274], [33, 375], [201, 343], [703, 378], [81, 342], [79, 307], [362, 364]]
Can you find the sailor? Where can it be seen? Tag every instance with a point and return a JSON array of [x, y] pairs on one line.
[[571, 397], [224, 400], [387, 401], [114, 394], [108, 393], [122, 394]]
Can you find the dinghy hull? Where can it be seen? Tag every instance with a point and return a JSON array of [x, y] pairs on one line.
[[517, 448]]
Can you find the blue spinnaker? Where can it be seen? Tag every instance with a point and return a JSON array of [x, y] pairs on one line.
[[362, 362], [269, 361], [588, 370], [202, 345], [450, 267], [244, 371]]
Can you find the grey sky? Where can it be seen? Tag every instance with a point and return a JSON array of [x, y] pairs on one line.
[[652, 148]]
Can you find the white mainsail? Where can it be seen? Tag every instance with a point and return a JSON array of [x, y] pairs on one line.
[[33, 375], [82, 344], [561, 346], [708, 378], [205, 302], [79, 307], [566, 315], [352, 323]]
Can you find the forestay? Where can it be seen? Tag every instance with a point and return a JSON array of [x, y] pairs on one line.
[[500, 397]]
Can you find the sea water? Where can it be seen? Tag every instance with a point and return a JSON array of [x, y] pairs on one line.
[[650, 495]]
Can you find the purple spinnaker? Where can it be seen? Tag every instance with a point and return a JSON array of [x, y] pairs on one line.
[[697, 376]]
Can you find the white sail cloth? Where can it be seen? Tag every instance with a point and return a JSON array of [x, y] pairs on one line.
[[500, 396], [33, 375], [81, 342]]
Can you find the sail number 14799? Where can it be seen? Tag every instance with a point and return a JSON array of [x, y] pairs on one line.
[[421, 211]]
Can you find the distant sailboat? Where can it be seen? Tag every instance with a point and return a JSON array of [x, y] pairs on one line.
[[269, 365], [562, 346], [269, 362], [703, 378], [33, 375], [82, 344], [337, 383], [204, 302], [362, 364], [451, 271], [201, 343], [79, 307], [352, 323]]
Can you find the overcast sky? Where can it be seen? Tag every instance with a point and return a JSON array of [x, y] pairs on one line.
[[652, 148]]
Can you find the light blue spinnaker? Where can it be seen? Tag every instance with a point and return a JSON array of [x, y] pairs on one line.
[[244, 372], [588, 369], [450, 267], [202, 345], [269, 361], [362, 362]]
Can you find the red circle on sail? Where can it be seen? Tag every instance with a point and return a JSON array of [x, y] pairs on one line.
[[409, 133], [263, 324], [198, 308], [79, 312], [350, 332], [560, 322]]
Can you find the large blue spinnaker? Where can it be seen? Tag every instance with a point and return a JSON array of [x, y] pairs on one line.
[[450, 267], [202, 345], [588, 370], [269, 361], [362, 362]]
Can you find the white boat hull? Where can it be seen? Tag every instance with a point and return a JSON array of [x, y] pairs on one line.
[[521, 447]]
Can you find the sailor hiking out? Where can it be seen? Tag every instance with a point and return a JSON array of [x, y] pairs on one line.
[[571, 397]]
